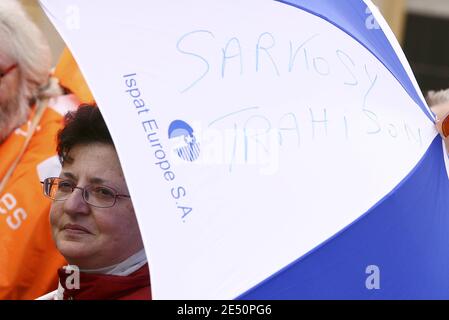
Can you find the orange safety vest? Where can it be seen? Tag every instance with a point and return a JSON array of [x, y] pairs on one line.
[[28, 257], [69, 75]]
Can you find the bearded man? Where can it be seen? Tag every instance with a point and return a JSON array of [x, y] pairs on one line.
[[30, 117]]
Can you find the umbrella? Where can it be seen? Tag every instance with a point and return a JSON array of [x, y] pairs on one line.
[[273, 149]]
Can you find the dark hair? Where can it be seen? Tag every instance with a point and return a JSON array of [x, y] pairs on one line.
[[83, 126]]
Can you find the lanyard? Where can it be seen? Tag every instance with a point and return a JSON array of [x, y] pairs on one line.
[[41, 105]]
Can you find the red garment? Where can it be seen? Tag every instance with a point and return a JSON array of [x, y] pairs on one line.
[[135, 286]]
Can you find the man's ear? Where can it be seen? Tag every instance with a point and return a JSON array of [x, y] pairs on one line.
[[440, 110]]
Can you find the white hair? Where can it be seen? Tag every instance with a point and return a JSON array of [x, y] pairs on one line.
[[22, 40]]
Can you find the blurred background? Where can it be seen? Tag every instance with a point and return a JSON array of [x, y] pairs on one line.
[[421, 26]]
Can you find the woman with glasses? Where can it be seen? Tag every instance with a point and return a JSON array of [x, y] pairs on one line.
[[92, 217]]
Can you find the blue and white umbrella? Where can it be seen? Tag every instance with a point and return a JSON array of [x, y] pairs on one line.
[[273, 149]]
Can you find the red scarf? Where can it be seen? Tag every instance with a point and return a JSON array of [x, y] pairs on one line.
[[135, 286]]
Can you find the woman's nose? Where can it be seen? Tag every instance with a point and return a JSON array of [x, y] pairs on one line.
[[75, 203]]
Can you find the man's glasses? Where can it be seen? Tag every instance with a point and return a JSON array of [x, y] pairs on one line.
[[98, 196], [8, 70]]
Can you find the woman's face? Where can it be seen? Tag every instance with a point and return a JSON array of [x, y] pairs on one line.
[[87, 236]]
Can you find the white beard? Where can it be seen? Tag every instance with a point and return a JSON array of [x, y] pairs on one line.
[[13, 113]]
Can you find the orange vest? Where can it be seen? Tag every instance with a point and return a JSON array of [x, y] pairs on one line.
[[69, 75], [28, 256]]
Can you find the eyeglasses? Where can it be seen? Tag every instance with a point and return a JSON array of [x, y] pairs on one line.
[[98, 196], [5, 72]]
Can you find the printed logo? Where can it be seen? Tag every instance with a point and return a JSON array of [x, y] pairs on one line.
[[186, 146]]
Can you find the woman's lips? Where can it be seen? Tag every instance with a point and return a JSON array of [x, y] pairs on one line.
[[75, 228]]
